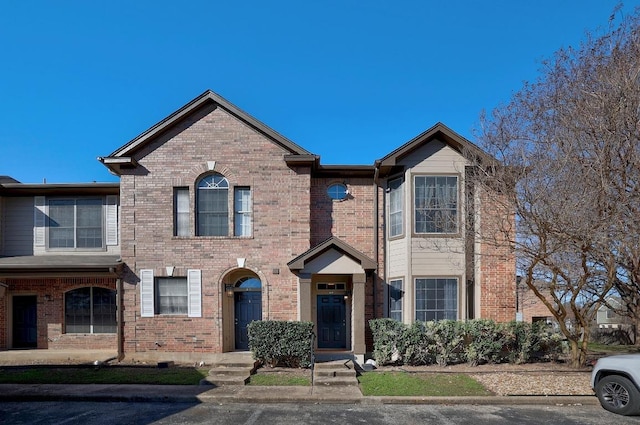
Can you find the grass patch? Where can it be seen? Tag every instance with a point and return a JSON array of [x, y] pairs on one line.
[[411, 384], [277, 380], [612, 349], [103, 375]]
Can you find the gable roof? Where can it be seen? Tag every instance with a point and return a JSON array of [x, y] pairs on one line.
[[299, 262], [440, 132], [123, 157]]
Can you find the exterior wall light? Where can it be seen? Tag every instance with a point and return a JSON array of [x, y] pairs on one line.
[[229, 290]]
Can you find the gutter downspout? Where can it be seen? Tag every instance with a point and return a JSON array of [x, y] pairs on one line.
[[376, 245], [119, 320]]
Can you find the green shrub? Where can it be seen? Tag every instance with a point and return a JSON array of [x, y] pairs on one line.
[[387, 337], [484, 341], [476, 341], [418, 345], [448, 336], [549, 345], [277, 342], [520, 341]]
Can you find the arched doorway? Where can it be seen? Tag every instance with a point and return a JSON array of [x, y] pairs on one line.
[[247, 301]]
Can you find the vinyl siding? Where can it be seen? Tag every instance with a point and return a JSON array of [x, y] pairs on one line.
[[17, 226], [414, 256]]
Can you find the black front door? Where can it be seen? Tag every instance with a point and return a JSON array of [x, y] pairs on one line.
[[332, 324], [25, 321], [248, 307]]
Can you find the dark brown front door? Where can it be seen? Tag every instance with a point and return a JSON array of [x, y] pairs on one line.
[[25, 321]]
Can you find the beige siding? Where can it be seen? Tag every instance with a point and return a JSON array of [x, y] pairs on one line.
[[18, 226], [415, 256], [437, 257], [433, 158], [397, 256]]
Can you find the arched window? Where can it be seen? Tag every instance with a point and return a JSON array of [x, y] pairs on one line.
[[212, 210], [249, 283], [90, 310]]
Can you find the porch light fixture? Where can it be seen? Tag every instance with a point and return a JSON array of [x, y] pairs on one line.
[[229, 290]]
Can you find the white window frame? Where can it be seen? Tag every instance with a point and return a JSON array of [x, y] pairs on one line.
[[109, 222], [396, 285], [181, 211], [396, 207], [148, 287], [216, 182], [440, 309], [243, 211], [444, 215]]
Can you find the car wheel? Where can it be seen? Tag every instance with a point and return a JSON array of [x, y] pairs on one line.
[[617, 394]]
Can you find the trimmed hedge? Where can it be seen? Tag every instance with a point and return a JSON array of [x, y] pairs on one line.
[[277, 342], [476, 342]]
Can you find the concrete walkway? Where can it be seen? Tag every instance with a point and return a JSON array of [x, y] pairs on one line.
[[252, 394], [221, 394]]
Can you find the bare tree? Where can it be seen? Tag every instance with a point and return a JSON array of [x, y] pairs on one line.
[[568, 146]]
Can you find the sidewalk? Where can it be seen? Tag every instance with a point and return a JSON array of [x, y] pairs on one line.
[[223, 394], [253, 394]]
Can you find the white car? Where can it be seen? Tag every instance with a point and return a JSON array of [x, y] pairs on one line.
[[616, 379]]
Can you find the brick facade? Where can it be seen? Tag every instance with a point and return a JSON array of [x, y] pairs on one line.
[[50, 293], [281, 231], [496, 278], [291, 215]]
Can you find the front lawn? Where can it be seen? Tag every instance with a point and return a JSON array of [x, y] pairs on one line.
[[423, 384]]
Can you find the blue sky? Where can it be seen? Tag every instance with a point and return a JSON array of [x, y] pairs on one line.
[[349, 80]]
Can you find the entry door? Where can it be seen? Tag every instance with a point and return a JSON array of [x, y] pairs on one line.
[[25, 321], [332, 324], [248, 307]]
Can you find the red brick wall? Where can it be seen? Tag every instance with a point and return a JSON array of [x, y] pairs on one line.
[[280, 228], [531, 305], [50, 311], [353, 220], [497, 274]]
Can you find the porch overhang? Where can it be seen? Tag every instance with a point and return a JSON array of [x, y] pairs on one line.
[[59, 266], [332, 256]]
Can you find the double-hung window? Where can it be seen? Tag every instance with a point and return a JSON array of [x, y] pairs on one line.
[[75, 223], [436, 299], [242, 213], [396, 294], [436, 204], [212, 206], [90, 310], [171, 295], [181, 211], [168, 295], [396, 204]]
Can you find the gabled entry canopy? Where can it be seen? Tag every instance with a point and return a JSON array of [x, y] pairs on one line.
[[125, 157], [332, 256]]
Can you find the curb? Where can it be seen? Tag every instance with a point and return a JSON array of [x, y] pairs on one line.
[[264, 395]]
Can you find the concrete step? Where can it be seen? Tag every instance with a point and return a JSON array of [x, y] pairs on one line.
[[335, 373], [231, 370], [335, 382], [225, 380]]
